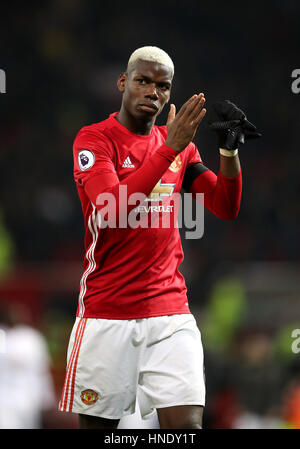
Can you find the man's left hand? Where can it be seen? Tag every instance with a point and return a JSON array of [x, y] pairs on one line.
[[231, 125]]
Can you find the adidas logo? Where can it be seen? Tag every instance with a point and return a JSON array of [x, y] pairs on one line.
[[127, 163]]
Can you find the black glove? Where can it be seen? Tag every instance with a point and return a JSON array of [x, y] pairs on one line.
[[231, 125]]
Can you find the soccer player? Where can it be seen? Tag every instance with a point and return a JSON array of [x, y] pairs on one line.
[[134, 334]]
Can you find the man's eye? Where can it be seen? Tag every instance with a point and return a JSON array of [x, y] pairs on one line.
[[141, 81]]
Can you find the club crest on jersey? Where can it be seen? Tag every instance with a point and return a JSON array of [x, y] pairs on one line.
[[176, 164], [161, 190], [89, 397], [86, 159]]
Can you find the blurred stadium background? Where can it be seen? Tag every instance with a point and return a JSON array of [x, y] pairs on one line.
[[62, 59]]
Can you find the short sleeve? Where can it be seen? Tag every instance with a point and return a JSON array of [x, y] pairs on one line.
[[93, 154]]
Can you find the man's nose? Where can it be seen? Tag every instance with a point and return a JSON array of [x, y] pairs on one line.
[[152, 91]]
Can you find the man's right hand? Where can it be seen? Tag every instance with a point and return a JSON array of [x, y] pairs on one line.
[[182, 127]]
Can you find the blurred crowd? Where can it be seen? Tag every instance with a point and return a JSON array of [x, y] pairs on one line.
[[62, 60]]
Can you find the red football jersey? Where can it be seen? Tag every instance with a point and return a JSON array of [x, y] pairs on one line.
[[129, 273]]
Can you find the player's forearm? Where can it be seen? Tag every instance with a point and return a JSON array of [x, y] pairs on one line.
[[230, 166], [222, 194], [141, 181], [146, 177]]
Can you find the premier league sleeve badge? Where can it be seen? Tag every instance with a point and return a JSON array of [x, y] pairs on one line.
[[86, 159]]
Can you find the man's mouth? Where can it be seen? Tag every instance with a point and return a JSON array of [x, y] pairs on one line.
[[149, 107]]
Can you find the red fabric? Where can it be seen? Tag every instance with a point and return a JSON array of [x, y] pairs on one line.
[[222, 195], [134, 272], [142, 180], [67, 398], [130, 273]]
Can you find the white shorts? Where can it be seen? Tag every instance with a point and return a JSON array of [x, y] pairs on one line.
[[110, 363]]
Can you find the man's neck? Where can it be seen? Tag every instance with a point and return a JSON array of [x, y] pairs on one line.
[[132, 124]]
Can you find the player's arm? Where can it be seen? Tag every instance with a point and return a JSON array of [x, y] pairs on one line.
[[230, 165], [142, 181], [223, 192], [181, 130]]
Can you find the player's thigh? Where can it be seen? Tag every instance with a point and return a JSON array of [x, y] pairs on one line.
[[95, 422], [180, 417], [172, 371], [101, 376]]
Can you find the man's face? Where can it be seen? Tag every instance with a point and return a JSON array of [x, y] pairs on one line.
[[146, 88]]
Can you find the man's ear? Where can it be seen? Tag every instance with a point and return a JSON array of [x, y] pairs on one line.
[[169, 94], [122, 82]]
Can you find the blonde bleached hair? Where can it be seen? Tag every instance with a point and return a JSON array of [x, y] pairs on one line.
[[152, 54]]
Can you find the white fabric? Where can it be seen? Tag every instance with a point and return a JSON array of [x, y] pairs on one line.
[[136, 421], [228, 153], [159, 360]]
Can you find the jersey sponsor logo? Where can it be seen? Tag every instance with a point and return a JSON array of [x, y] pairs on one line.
[[176, 164], [127, 163], [89, 397], [86, 159], [160, 190], [147, 209]]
